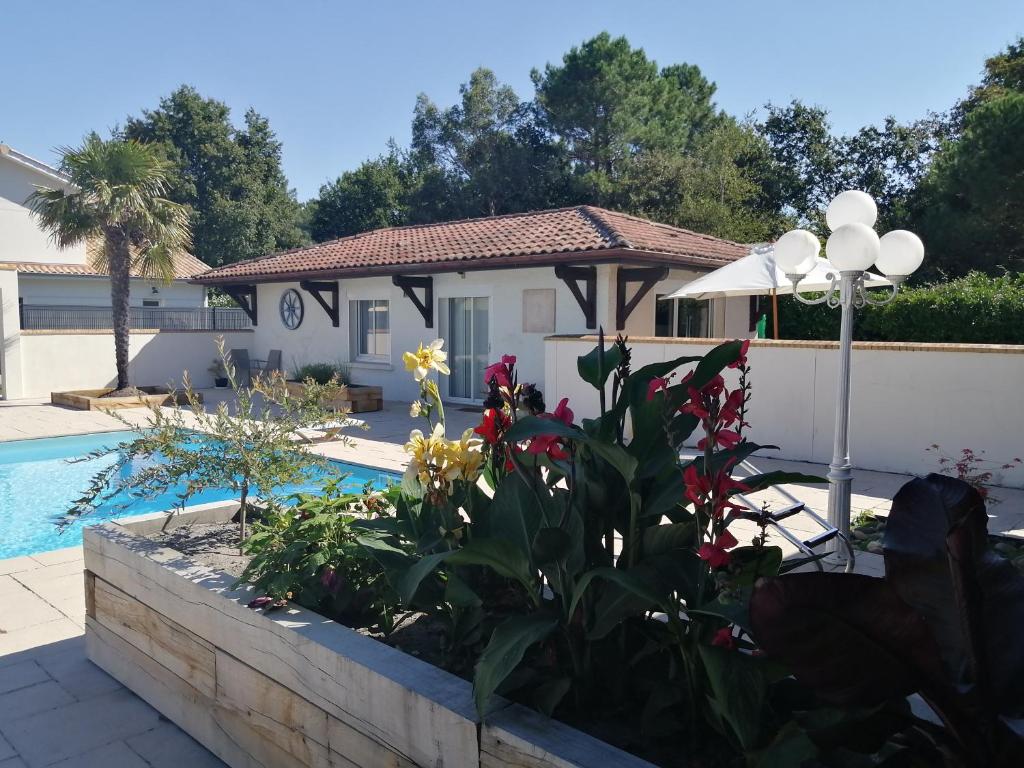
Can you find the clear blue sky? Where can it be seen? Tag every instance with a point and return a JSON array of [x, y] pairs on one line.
[[337, 79]]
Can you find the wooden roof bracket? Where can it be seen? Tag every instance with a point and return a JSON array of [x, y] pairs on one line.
[[648, 277], [426, 306], [572, 276], [318, 289], [244, 296]]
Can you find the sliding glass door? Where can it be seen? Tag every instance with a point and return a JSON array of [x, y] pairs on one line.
[[464, 328]]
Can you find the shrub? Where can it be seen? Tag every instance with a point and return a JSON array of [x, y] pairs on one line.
[[562, 557], [256, 439], [974, 309], [321, 373], [313, 551]]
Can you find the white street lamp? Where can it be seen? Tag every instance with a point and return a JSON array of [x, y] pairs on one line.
[[852, 248]]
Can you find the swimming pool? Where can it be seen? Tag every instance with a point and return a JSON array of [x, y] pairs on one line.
[[38, 483]]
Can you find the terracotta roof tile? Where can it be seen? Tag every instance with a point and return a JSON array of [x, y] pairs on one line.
[[573, 234], [185, 266]]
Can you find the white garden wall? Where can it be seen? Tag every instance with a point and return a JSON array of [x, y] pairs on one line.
[[51, 361], [906, 397]]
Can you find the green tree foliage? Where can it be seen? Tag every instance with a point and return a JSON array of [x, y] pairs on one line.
[[813, 165], [968, 207], [372, 196], [1003, 75], [487, 152], [717, 188], [971, 202], [230, 178]]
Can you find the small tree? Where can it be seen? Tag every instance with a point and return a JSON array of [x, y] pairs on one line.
[[250, 449], [116, 195]]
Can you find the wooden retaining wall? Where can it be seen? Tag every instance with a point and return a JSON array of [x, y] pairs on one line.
[[290, 688]]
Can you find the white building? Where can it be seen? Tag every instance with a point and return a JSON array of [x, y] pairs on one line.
[[44, 288], [488, 286], [52, 276]]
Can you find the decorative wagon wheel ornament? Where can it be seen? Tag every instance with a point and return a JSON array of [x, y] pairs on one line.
[[291, 309]]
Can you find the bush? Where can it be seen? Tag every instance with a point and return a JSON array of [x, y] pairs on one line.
[[975, 309], [321, 373]]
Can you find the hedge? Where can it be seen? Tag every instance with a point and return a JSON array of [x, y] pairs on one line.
[[973, 309]]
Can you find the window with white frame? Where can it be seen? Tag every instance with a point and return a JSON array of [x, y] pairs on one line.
[[681, 317], [371, 330]]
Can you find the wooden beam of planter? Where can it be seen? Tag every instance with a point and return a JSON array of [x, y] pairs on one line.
[[318, 289], [648, 277], [408, 285], [572, 276], [245, 297]]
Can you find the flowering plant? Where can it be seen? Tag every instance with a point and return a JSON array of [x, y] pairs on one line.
[[557, 550]]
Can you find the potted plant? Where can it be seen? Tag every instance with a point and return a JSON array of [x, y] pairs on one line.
[[348, 397], [219, 372]]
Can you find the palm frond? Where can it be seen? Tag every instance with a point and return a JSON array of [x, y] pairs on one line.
[[118, 189]]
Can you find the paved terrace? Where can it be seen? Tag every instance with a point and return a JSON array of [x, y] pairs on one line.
[[58, 709]]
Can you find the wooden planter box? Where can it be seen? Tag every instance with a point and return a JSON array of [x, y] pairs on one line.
[[290, 688], [93, 400], [352, 398]]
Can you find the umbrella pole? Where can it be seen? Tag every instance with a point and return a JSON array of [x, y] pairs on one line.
[[775, 313]]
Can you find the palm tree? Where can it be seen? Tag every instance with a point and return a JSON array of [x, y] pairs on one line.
[[116, 195]]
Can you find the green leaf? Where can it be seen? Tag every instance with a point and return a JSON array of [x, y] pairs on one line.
[[508, 644], [748, 564], [379, 545], [658, 539], [551, 545], [458, 593], [550, 693], [628, 580], [594, 368], [409, 584], [531, 426], [514, 515], [503, 557], [768, 479], [739, 689], [791, 747]]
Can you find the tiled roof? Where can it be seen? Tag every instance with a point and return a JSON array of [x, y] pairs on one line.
[[578, 234], [185, 266]]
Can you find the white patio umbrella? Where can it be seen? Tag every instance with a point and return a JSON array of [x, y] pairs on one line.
[[757, 275]]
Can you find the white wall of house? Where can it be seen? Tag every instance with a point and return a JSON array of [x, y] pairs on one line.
[[317, 341], [21, 239], [52, 361], [95, 291], [906, 397]]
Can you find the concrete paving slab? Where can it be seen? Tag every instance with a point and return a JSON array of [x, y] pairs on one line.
[[83, 726]]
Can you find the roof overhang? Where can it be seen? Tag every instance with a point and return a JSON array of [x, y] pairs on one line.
[[625, 256]]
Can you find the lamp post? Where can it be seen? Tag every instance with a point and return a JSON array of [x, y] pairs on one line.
[[851, 249]]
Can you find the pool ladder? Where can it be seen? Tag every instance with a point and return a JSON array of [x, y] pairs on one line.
[[797, 507]]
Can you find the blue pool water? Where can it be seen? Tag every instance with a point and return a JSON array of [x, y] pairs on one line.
[[38, 483]]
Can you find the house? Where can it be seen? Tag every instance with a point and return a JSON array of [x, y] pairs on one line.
[[47, 290], [48, 276], [487, 286]]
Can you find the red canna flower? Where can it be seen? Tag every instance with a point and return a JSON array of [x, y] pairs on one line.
[[494, 424], [723, 639], [562, 412], [656, 385], [715, 554], [742, 359], [551, 444], [501, 372]]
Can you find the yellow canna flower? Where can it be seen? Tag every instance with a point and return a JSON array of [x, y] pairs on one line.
[[426, 359], [426, 452], [464, 457]]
